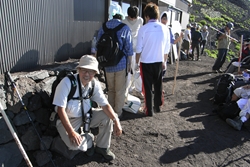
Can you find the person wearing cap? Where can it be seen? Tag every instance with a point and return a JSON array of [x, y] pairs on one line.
[[187, 39], [204, 34], [196, 39], [224, 42], [70, 112], [193, 28], [151, 57], [134, 21], [116, 75]]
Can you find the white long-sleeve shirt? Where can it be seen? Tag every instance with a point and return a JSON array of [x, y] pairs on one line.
[[152, 42]]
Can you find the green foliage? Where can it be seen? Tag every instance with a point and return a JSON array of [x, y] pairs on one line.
[[208, 18], [203, 22], [230, 54], [237, 46], [229, 19], [192, 18], [211, 53]]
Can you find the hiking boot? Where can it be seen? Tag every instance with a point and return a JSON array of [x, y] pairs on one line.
[[157, 109], [236, 123], [106, 153]]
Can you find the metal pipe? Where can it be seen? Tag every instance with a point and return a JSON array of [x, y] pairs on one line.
[[224, 33]]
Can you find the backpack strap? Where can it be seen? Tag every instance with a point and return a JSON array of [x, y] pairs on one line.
[[73, 86]]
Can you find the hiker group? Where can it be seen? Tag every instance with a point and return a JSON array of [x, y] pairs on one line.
[[133, 57]]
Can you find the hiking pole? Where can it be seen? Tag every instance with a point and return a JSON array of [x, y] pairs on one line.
[[224, 33], [19, 144], [241, 43], [13, 86]]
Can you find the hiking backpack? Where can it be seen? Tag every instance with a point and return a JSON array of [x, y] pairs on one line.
[[108, 47], [224, 89], [227, 110]]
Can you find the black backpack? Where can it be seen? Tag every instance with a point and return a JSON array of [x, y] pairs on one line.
[[219, 33], [108, 48], [228, 110], [224, 89]]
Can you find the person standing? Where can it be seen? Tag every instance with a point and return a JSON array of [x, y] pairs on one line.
[[116, 75], [134, 21], [196, 39], [224, 42], [204, 34], [187, 40], [164, 20], [71, 113], [151, 50]]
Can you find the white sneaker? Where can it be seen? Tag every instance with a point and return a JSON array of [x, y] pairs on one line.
[[236, 64]]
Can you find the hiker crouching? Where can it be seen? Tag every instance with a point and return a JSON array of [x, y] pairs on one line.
[[73, 112]]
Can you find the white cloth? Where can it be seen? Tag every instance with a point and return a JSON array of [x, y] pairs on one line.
[[150, 36], [244, 109], [236, 64], [242, 93], [73, 107]]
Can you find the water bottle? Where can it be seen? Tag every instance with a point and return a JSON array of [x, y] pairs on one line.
[[245, 76], [93, 44], [87, 123]]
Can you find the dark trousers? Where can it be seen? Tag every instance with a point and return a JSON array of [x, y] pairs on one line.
[[151, 74], [197, 47], [203, 44], [222, 53]]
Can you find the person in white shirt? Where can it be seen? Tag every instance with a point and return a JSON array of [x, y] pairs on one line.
[[187, 40], [71, 112], [134, 22], [152, 50]]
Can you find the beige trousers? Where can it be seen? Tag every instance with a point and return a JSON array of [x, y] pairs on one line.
[[116, 90], [99, 119]]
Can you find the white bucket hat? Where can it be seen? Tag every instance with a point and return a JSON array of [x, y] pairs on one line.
[[88, 62]]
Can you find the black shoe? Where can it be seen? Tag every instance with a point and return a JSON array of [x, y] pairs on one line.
[[157, 109], [106, 153]]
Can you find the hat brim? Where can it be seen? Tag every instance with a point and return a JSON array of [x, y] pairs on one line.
[[88, 67]]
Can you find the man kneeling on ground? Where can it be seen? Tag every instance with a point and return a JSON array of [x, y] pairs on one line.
[[70, 112]]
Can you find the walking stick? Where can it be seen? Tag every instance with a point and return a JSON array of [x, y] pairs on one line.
[[19, 144], [177, 66], [241, 43], [13, 85]]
